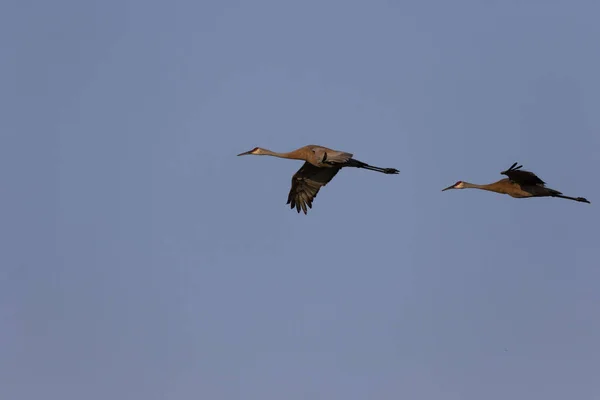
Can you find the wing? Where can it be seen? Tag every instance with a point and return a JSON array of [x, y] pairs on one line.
[[306, 183], [336, 157], [516, 175], [328, 156]]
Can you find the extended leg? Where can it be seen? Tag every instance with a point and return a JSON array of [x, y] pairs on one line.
[[359, 164], [580, 199]]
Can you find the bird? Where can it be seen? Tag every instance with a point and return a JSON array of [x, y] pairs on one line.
[[519, 184], [321, 164]]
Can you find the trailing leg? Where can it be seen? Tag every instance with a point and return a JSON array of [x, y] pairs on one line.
[[359, 164], [580, 199]]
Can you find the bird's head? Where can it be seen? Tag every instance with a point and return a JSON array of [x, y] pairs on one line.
[[457, 185], [257, 151]]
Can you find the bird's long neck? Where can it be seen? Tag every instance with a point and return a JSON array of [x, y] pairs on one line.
[[468, 185], [290, 155]]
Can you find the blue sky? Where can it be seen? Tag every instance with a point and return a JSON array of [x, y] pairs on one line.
[[141, 259]]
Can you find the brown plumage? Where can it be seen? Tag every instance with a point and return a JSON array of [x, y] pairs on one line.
[[320, 166], [519, 184]]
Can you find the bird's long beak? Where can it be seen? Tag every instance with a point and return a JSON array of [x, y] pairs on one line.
[[449, 187], [245, 153]]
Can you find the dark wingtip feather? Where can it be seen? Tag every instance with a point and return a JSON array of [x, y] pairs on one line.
[[513, 167]]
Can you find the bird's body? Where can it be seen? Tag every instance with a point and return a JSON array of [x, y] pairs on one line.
[[321, 164], [505, 186], [519, 184], [318, 156]]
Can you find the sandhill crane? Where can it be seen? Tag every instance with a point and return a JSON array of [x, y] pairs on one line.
[[519, 184], [321, 165]]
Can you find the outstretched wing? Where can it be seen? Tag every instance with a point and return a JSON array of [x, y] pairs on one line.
[[521, 177], [306, 183]]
